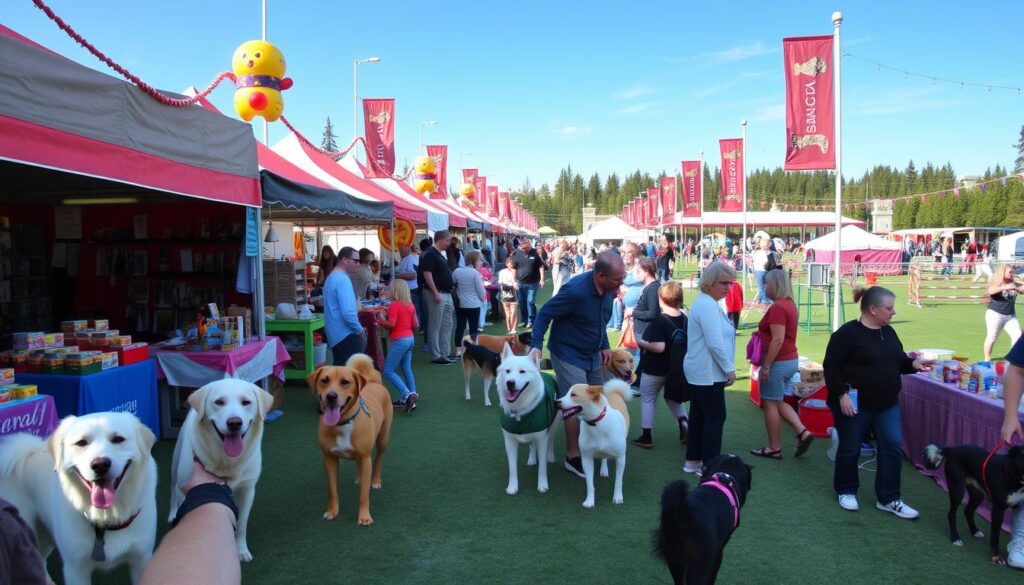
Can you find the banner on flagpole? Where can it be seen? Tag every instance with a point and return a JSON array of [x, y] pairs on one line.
[[692, 187], [492, 196], [653, 201], [732, 174], [480, 187], [439, 152], [810, 103], [668, 199], [379, 122]]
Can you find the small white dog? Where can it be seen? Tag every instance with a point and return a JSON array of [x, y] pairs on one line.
[[604, 432], [224, 431], [528, 415], [99, 508]]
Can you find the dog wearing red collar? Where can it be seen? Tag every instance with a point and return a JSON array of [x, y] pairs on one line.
[[602, 409], [697, 524]]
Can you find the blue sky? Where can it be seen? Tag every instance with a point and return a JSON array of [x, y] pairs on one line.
[[529, 87]]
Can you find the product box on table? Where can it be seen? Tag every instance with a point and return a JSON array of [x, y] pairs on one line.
[[6, 376], [25, 340], [132, 354], [121, 341], [84, 336], [246, 315], [27, 391], [109, 360], [16, 360], [53, 365], [101, 325], [53, 340], [6, 395], [73, 327], [83, 363], [102, 338], [812, 373], [35, 361]]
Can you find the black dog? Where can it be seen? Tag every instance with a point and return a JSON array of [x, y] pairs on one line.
[[1001, 477], [697, 524]]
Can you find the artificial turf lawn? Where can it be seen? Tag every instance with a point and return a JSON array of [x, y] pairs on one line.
[[443, 516]]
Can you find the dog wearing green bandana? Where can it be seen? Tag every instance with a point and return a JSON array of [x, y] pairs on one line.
[[528, 413]]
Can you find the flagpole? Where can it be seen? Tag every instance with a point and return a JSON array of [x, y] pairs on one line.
[[700, 172], [743, 243], [837, 21]]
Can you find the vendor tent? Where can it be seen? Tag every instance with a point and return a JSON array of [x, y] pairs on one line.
[[612, 229], [858, 247], [438, 218]]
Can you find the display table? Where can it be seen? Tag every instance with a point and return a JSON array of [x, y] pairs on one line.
[[36, 415], [942, 414], [130, 388], [374, 343], [186, 370], [306, 327]]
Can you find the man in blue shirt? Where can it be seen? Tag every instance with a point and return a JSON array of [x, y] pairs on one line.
[[579, 346], [345, 335]]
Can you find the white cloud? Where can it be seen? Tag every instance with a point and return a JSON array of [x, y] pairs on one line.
[[737, 53], [634, 92], [635, 109]]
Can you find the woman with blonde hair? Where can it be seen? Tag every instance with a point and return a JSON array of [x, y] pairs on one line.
[[656, 342], [401, 320], [780, 362], [1001, 314]]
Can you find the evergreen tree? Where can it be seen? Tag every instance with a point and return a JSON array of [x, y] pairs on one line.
[[1018, 164], [328, 142]]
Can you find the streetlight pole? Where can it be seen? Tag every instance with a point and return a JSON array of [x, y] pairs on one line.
[[837, 21], [422, 124], [743, 246], [355, 92]]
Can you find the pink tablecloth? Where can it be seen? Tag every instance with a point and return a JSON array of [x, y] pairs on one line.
[[942, 414], [252, 362]]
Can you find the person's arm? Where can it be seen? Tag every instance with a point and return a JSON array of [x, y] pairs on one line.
[[201, 548], [557, 306], [654, 331], [650, 307], [836, 353], [778, 333], [406, 275], [388, 322], [1013, 387], [715, 338], [998, 287], [349, 308], [478, 280]]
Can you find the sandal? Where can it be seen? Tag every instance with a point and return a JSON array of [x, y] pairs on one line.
[[804, 439], [767, 453]]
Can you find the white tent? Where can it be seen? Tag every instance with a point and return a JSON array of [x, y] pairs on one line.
[[613, 230], [858, 246]]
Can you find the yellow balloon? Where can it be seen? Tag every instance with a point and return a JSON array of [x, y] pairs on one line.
[[259, 80], [467, 190], [425, 165], [425, 183]]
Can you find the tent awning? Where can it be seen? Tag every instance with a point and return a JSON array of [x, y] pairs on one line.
[[853, 238], [57, 114], [438, 218], [282, 192], [764, 219]]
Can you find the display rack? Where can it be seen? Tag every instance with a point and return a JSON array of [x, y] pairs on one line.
[[31, 306], [284, 282]]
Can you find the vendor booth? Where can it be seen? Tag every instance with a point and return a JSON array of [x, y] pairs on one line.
[[612, 230], [859, 247]]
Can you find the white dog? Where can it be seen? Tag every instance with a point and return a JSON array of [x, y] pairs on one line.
[[528, 415], [99, 508], [224, 430], [603, 410]]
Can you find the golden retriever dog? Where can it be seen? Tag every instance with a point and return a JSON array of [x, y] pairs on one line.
[[89, 490], [621, 367]]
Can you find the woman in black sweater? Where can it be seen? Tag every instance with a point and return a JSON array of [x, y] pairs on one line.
[[647, 308], [863, 364]]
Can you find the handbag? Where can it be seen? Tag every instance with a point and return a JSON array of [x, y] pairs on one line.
[[755, 350], [628, 338]]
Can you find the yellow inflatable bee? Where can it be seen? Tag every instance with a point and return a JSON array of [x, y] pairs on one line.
[[426, 179], [259, 71]]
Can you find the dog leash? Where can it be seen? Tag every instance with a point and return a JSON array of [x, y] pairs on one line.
[[984, 466], [98, 552]]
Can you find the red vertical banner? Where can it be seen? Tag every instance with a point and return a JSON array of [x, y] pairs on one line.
[[495, 200], [638, 214], [693, 185], [641, 206], [732, 174], [439, 152], [810, 103], [379, 122], [668, 199], [503, 206], [480, 193], [625, 214], [653, 202], [492, 197]]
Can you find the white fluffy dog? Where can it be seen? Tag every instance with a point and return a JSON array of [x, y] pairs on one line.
[[604, 432], [224, 431], [99, 508], [528, 415]]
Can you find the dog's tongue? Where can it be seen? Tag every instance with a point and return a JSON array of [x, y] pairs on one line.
[[102, 494], [332, 415], [513, 395], [233, 445]]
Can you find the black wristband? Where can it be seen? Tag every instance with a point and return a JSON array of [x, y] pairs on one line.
[[206, 493]]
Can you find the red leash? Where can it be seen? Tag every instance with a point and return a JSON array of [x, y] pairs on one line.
[[984, 465]]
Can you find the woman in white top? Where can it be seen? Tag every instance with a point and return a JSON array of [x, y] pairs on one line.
[[509, 294], [709, 365], [759, 262], [469, 285]]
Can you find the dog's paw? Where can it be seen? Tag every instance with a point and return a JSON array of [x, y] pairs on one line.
[[551, 457], [329, 515], [365, 520], [604, 471], [512, 489], [487, 403], [377, 485], [588, 503], [618, 499], [979, 534], [244, 555], [958, 542], [542, 488], [532, 460], [998, 560]]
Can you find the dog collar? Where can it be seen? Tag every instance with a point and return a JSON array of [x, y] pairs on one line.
[[362, 408], [604, 411], [984, 466], [98, 552], [724, 483]]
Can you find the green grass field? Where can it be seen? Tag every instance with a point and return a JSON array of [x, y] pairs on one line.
[[443, 516]]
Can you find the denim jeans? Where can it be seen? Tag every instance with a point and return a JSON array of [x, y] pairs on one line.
[[852, 431], [344, 349], [761, 296], [617, 310], [527, 302], [707, 419], [400, 355]]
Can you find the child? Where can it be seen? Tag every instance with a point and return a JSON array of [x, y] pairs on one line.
[[656, 343], [401, 320], [509, 294], [734, 303]]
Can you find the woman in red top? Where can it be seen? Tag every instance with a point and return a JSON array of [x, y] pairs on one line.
[[401, 320], [779, 364], [734, 303]]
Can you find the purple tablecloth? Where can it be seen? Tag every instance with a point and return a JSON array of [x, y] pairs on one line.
[[943, 414], [36, 415]]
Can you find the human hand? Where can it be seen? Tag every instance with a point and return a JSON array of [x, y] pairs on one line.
[[923, 365], [199, 477], [437, 297], [764, 372], [730, 378], [846, 405], [606, 357], [1011, 428], [628, 313]]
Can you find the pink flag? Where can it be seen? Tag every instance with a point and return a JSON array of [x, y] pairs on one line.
[[379, 122], [480, 184], [732, 174], [668, 199], [810, 103], [653, 199], [439, 152], [693, 186], [491, 197]]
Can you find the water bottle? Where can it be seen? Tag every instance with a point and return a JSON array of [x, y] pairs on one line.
[[853, 396]]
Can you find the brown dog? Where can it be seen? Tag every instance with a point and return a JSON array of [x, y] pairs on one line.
[[357, 416], [520, 344], [621, 367]]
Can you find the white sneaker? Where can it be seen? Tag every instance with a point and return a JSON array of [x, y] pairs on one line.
[[1015, 556], [697, 470], [849, 502], [899, 508]]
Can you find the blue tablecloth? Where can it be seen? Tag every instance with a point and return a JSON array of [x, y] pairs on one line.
[[129, 388]]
